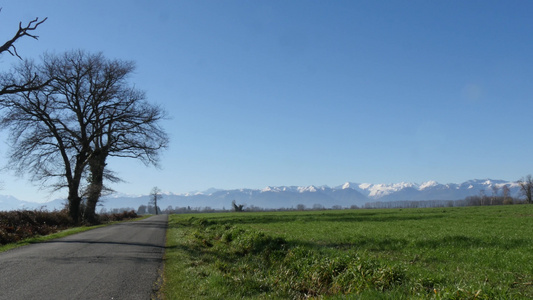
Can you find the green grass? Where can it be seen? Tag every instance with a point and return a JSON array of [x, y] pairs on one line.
[[441, 253]]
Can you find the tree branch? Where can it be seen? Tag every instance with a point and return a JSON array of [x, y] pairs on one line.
[[9, 46], [26, 87]]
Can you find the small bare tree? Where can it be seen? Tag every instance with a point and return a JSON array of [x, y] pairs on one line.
[[507, 195], [495, 191], [483, 197], [155, 195], [526, 187], [237, 207]]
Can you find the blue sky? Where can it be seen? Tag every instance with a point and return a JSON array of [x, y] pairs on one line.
[[267, 93]]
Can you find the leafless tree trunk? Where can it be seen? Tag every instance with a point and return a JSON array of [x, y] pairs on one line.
[[96, 184]]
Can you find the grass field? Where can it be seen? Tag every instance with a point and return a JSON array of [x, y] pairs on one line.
[[440, 253]]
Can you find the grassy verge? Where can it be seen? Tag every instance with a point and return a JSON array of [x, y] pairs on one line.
[[450, 253]]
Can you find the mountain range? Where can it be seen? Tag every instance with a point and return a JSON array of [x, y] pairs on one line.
[[346, 195]]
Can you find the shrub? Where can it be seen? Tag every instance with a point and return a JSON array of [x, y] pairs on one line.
[[19, 225], [125, 215]]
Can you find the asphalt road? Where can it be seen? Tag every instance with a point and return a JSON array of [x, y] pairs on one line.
[[121, 261]]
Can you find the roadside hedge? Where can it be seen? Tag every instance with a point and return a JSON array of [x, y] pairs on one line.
[[19, 225]]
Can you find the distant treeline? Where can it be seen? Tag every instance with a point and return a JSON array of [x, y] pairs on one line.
[[150, 209], [468, 201]]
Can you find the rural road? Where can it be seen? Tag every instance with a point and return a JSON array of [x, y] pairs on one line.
[[121, 261]]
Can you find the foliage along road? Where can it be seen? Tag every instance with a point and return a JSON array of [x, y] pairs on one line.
[[121, 261]]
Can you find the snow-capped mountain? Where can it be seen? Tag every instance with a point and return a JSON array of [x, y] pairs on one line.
[[8, 203], [272, 197], [345, 195], [432, 190]]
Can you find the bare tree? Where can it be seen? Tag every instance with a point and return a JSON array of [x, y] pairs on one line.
[[155, 195], [86, 113], [483, 197], [45, 137], [507, 195], [526, 187], [495, 190], [237, 207], [124, 125], [32, 82]]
